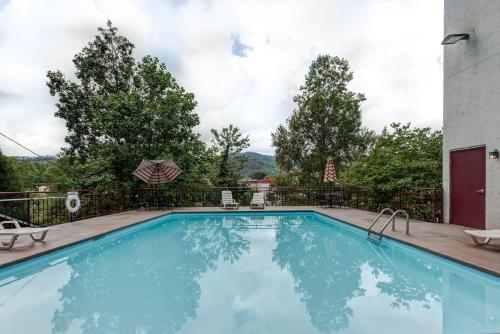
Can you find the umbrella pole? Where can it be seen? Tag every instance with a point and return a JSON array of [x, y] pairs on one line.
[[145, 172], [158, 196], [331, 197]]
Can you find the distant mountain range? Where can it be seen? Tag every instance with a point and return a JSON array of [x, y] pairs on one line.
[[257, 162], [31, 158]]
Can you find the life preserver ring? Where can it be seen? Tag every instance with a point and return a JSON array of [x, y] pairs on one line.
[[73, 198]]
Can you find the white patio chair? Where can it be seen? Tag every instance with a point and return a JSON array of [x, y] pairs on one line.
[[227, 201], [14, 233], [487, 235], [257, 201]]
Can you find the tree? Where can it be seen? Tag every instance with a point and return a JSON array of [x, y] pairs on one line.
[[405, 157], [326, 122], [30, 173], [60, 174], [120, 111], [9, 180], [227, 144], [258, 175]]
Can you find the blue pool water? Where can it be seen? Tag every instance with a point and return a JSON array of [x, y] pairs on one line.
[[245, 273]]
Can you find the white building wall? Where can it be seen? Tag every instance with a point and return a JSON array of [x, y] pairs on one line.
[[472, 92]]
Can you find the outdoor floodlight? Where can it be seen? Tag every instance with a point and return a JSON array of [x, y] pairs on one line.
[[453, 38], [494, 154]]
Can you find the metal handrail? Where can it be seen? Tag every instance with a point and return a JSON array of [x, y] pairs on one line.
[[29, 199], [378, 217], [391, 219]]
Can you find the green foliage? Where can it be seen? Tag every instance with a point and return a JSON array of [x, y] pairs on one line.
[[290, 179], [403, 158], [258, 175], [247, 197], [9, 180], [226, 145], [120, 111], [61, 174], [327, 122], [30, 174], [259, 163]]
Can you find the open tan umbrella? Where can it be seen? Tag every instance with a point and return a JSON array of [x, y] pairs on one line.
[[157, 171], [330, 174]]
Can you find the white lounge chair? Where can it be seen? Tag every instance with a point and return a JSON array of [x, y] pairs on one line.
[[14, 233], [227, 201], [257, 201], [487, 235]]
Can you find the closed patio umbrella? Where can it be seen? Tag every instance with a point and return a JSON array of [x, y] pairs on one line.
[[330, 174], [329, 177]]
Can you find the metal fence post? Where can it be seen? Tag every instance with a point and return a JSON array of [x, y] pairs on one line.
[[28, 207]]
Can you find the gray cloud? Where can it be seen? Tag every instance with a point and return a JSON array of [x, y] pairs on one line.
[[6, 95]]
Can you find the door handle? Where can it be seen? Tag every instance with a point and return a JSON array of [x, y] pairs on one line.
[[481, 191]]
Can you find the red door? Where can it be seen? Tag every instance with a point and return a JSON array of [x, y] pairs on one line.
[[467, 187]]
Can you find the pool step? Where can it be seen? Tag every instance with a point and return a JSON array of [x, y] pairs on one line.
[[375, 238]]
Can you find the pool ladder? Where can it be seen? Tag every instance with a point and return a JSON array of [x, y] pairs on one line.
[[377, 236]]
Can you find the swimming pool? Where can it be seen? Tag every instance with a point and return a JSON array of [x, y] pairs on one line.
[[294, 272]]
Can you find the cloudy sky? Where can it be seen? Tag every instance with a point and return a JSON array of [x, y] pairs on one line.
[[243, 60]]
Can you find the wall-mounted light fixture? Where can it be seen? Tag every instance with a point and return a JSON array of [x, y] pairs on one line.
[[453, 38], [493, 154]]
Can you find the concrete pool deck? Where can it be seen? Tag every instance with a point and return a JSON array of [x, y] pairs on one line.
[[442, 239]]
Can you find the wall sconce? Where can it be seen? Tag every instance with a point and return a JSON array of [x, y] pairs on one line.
[[493, 154], [453, 38]]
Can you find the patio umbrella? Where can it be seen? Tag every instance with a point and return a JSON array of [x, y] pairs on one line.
[[330, 174], [330, 177], [157, 171]]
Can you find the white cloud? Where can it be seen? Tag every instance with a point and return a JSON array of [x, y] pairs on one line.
[[392, 46]]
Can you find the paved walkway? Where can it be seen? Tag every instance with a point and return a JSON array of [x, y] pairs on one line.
[[442, 239]]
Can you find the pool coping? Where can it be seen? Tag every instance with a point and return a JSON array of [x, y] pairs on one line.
[[323, 212]]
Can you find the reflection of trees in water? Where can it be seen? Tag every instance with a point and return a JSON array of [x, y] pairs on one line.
[[149, 281], [411, 279], [226, 242], [145, 282], [326, 269], [326, 266]]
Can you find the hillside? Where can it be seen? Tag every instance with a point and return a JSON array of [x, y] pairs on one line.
[[257, 162], [36, 159]]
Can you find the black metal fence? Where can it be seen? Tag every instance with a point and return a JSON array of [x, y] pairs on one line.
[[48, 208]]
